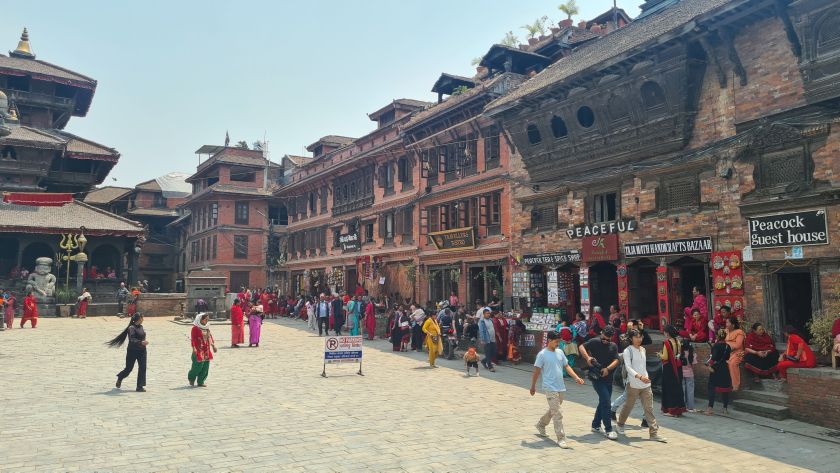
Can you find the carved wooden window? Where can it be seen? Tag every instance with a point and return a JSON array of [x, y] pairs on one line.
[[533, 132], [653, 97], [242, 213], [386, 227], [678, 194], [544, 217], [324, 200], [604, 207], [828, 37], [313, 203], [336, 238], [558, 127], [368, 232], [491, 148], [403, 170], [783, 168]]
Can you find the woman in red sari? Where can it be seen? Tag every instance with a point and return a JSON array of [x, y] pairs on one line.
[[761, 354], [697, 328], [370, 319], [673, 400], [30, 310], [237, 324], [797, 355], [202, 342], [84, 299]]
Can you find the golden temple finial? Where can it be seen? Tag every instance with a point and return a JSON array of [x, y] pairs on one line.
[[23, 49]]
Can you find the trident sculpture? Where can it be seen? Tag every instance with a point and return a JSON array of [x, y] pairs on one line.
[[69, 243]]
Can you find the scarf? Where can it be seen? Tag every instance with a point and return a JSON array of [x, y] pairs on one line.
[[198, 323]]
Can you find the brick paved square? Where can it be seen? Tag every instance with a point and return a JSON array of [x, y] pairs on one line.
[[268, 409]]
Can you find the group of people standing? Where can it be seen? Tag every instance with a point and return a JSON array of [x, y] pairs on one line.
[[9, 307]]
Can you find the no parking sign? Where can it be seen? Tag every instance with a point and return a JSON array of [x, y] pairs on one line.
[[341, 349]]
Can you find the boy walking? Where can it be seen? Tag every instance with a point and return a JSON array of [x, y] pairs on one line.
[[550, 363]]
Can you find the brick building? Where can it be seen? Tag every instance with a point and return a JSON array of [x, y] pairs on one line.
[[352, 210], [154, 203], [677, 151], [228, 219]]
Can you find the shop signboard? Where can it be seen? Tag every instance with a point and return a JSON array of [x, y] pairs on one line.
[[600, 248], [455, 239], [562, 257], [602, 228], [808, 227], [349, 242], [683, 246], [520, 286]]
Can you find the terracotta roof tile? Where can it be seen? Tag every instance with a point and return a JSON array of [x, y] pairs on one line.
[[105, 195], [69, 217], [35, 66]]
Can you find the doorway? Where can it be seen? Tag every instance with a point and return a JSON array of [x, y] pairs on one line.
[[795, 300], [603, 286], [351, 279], [642, 289]]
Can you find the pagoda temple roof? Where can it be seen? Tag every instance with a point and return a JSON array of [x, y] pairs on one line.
[[66, 218]]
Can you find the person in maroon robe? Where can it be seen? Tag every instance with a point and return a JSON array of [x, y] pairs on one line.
[[500, 326]]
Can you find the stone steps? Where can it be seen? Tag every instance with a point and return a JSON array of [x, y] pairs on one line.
[[767, 397], [763, 409]]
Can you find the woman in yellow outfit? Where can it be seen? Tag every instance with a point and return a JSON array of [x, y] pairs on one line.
[[433, 340]]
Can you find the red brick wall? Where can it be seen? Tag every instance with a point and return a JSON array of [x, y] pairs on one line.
[[814, 396]]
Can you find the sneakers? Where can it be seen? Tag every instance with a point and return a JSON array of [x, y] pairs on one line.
[[540, 430], [619, 429], [657, 438], [597, 430], [562, 444], [612, 435]]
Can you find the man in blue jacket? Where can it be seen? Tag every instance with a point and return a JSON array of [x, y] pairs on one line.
[[487, 336], [337, 311]]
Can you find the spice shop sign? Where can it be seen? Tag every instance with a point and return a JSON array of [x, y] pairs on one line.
[[456, 239], [604, 228], [562, 257], [350, 242], [790, 229], [684, 246]]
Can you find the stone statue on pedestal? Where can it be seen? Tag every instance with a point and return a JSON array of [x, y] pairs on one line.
[[41, 282]]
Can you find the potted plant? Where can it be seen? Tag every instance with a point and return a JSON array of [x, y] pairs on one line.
[[65, 299], [821, 324]]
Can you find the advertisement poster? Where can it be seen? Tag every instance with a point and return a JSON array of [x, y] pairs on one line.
[[553, 289]]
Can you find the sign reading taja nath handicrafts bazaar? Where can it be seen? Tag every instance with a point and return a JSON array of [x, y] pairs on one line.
[[455, 239], [604, 228], [684, 246], [791, 229]]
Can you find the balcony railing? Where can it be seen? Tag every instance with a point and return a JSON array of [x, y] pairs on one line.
[[45, 100]]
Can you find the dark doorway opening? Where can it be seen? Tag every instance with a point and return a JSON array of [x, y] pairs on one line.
[[642, 289], [351, 280], [603, 286], [34, 251], [8, 255], [795, 303]]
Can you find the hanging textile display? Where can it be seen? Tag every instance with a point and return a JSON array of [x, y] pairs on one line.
[[623, 294], [662, 296], [584, 290]]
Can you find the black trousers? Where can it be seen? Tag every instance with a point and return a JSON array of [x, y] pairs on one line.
[[130, 357], [323, 325], [337, 324], [417, 337]]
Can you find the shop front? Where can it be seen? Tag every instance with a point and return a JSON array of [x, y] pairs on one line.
[[789, 252], [551, 281], [599, 279], [661, 277]]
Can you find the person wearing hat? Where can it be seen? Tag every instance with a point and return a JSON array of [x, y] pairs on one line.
[[602, 356], [255, 326], [550, 364]]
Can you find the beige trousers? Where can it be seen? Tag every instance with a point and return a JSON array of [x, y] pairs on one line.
[[554, 400], [646, 396]]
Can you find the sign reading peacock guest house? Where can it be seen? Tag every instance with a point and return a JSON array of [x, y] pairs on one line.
[[808, 227], [456, 239], [603, 228], [349, 242]]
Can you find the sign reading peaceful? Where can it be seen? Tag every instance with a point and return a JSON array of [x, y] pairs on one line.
[[790, 229], [603, 228]]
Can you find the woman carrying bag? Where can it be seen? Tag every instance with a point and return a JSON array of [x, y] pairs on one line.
[[433, 339]]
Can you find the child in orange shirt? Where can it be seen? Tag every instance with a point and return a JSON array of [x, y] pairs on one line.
[[471, 360]]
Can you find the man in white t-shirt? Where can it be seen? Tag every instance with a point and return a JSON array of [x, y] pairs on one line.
[[550, 363]]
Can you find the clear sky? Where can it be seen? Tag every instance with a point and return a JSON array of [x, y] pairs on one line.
[[174, 75]]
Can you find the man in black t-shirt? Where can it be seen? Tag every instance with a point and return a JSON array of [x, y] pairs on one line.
[[602, 356]]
